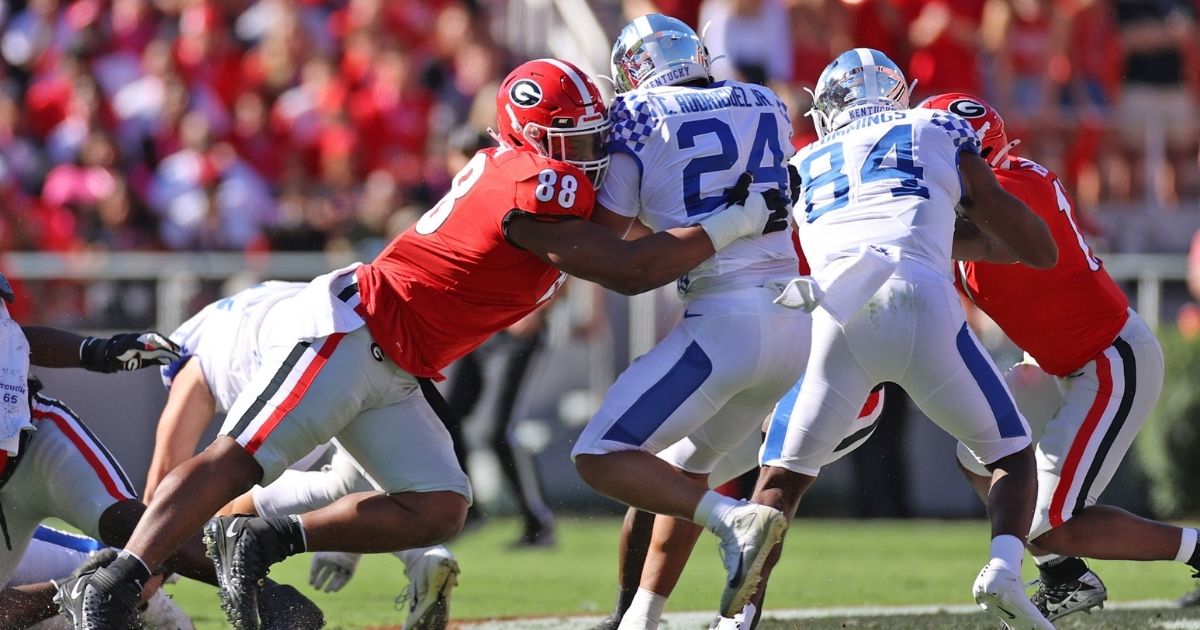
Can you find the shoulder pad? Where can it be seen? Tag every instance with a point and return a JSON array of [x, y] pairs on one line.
[[633, 120], [961, 133]]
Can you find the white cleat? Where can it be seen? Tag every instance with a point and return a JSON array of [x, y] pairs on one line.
[[1001, 593], [747, 538], [162, 613], [431, 578], [740, 621]]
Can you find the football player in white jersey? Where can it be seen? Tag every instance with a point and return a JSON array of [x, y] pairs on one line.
[[220, 351], [876, 213], [680, 144]]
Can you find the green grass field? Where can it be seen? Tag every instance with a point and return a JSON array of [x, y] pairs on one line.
[[827, 564]]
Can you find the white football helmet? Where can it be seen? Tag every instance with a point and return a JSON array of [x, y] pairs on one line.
[[860, 82], [658, 50]]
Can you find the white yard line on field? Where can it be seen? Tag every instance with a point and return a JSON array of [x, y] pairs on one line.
[[700, 619]]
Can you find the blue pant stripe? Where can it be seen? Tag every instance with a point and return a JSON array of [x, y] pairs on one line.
[[1005, 412], [69, 541], [777, 430], [657, 404]]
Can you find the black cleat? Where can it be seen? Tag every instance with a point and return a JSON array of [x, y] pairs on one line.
[[1078, 595], [91, 598], [611, 622], [242, 549], [282, 607]]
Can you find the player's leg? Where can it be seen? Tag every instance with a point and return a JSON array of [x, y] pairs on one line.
[[1105, 406], [673, 547], [723, 444], [952, 379], [723, 349], [636, 529], [405, 450], [727, 348], [1082, 447], [302, 395], [812, 424]]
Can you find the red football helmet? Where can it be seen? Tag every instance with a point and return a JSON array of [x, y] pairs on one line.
[[983, 117], [552, 108]]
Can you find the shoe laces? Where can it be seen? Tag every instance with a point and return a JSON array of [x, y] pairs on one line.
[[407, 599], [1053, 594]]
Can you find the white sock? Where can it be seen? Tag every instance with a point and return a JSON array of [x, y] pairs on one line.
[[1007, 552], [1050, 557], [712, 509], [645, 612], [1187, 545]]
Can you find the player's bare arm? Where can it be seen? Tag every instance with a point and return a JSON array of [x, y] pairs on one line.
[[189, 410], [589, 251], [973, 244], [620, 225], [996, 212], [51, 347]]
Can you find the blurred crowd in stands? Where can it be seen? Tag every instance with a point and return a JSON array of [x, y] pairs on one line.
[[230, 124], [317, 125]]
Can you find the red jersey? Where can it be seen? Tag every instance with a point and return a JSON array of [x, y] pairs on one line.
[[1063, 316], [452, 279]]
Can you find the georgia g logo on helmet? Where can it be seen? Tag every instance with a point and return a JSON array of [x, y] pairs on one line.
[[967, 108], [525, 93]]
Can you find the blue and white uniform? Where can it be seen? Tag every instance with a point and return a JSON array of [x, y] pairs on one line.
[[676, 151], [889, 182]]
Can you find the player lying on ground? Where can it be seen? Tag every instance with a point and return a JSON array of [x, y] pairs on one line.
[[680, 140], [54, 467], [879, 191], [1092, 373], [347, 361], [53, 555], [655, 549], [220, 349]]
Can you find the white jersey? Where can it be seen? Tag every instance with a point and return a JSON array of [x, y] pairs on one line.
[[889, 178], [224, 338], [686, 147]]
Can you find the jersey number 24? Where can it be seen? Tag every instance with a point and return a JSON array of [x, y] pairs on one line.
[[766, 140]]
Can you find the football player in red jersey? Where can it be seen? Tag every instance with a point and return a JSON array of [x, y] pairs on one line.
[[1092, 373], [347, 358]]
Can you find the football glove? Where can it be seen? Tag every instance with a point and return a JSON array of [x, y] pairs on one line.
[[331, 570], [126, 351]]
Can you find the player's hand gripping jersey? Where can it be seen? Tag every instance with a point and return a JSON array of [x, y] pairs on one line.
[[452, 279], [887, 178], [1080, 309], [690, 145]]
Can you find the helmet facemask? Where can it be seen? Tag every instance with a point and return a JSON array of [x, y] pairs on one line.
[[582, 144]]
